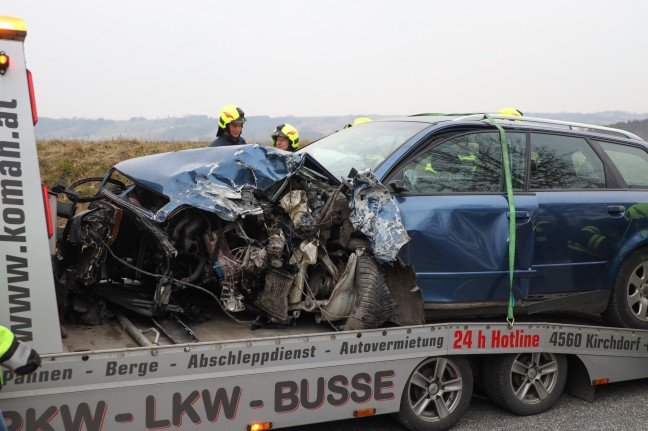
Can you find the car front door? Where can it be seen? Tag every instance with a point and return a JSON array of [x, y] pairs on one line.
[[456, 213]]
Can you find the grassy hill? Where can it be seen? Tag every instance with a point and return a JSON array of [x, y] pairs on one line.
[[75, 160]]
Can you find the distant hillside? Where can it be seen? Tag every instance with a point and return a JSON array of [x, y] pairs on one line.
[[194, 128], [201, 128], [638, 127], [599, 118]]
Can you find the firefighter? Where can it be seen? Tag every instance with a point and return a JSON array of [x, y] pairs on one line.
[[357, 121], [18, 357], [230, 127], [285, 137], [460, 157], [511, 112]]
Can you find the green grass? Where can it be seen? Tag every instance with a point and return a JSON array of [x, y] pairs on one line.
[[75, 160]]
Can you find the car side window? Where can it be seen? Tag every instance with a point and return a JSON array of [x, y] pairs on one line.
[[466, 163], [632, 162], [564, 162]]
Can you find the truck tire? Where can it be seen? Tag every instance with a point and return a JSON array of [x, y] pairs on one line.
[[525, 383], [373, 304], [436, 394], [628, 306]]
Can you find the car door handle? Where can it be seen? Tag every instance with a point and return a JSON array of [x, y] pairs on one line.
[[616, 210], [520, 216]]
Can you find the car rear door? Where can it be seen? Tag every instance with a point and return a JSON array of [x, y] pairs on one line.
[[580, 223]]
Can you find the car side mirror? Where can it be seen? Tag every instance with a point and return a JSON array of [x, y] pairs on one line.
[[400, 183], [397, 186]]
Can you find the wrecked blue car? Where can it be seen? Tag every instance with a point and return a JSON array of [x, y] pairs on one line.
[[335, 229], [258, 230]]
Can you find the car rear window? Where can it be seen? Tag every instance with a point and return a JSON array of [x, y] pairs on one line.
[[632, 162]]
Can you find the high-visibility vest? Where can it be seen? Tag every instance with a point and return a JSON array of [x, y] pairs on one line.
[[462, 158], [6, 339]]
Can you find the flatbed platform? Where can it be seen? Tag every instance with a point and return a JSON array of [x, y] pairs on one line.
[[217, 328]]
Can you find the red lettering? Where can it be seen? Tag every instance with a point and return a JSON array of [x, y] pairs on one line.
[[463, 339], [514, 340]]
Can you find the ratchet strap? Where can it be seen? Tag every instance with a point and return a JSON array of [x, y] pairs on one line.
[[506, 161]]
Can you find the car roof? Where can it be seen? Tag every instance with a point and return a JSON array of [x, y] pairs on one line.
[[522, 122]]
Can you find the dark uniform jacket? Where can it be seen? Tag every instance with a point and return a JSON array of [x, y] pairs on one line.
[[226, 139]]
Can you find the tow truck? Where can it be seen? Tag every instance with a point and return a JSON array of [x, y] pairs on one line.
[[127, 375]]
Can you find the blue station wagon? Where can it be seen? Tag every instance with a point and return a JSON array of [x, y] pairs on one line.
[[488, 212], [580, 207]]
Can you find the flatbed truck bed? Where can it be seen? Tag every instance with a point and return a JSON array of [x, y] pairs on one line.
[[288, 378]]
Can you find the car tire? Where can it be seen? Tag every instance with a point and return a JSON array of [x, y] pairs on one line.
[[525, 383], [373, 304], [628, 306], [437, 394]]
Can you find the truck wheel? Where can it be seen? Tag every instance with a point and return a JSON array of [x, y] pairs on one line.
[[373, 304], [628, 306], [436, 394], [525, 383]]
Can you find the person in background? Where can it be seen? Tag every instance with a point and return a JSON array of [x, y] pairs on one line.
[[357, 121], [18, 357], [285, 137], [511, 112], [230, 127]]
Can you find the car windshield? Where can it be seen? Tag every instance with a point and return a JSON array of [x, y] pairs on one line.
[[363, 146]]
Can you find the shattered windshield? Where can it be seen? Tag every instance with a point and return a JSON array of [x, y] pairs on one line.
[[361, 147]]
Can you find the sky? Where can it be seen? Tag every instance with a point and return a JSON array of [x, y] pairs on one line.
[[118, 59]]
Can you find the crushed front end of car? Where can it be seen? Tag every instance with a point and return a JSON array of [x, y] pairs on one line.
[[261, 230]]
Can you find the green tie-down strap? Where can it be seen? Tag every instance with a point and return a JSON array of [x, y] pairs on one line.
[[506, 161], [509, 197]]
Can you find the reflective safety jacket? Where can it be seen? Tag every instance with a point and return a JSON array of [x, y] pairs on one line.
[[16, 355], [467, 161], [6, 340]]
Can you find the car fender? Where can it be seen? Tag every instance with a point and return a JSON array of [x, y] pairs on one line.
[[633, 242]]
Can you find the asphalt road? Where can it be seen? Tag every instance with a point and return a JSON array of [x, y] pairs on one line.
[[618, 407]]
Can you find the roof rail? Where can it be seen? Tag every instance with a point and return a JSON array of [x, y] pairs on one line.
[[556, 123]]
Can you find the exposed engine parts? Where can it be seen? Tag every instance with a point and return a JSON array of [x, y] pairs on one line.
[[288, 249]]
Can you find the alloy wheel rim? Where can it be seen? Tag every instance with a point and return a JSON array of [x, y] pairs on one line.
[[435, 389], [637, 292], [534, 376]]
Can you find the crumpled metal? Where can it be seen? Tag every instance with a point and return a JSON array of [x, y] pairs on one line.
[[375, 213], [212, 178], [215, 179], [295, 204]]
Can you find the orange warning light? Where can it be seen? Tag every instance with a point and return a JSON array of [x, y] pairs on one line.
[[260, 426], [9, 23]]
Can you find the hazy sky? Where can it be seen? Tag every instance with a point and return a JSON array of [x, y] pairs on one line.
[[118, 59]]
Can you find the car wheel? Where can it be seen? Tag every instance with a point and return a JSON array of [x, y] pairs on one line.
[[628, 306], [436, 394], [525, 383], [373, 304]]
